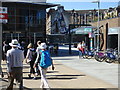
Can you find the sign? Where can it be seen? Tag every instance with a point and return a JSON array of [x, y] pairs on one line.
[[113, 30], [83, 30], [3, 9], [91, 35], [88, 29], [3, 15]]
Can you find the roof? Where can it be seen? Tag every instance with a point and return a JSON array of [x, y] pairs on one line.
[[47, 5]]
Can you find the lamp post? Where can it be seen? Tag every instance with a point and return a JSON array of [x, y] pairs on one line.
[[0, 42], [98, 24]]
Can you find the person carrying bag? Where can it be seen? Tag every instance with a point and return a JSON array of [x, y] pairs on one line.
[[44, 62]]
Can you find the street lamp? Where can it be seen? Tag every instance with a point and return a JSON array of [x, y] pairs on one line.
[[0, 42], [98, 24]]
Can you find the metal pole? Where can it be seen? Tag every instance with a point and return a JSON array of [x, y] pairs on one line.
[[11, 35], [0, 42], [34, 38], [18, 36], [91, 43], [118, 40], [98, 25], [69, 40]]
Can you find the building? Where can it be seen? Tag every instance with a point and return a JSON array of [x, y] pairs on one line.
[[81, 18], [58, 22], [26, 20]]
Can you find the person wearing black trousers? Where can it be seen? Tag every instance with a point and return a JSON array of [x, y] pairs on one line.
[[30, 59]]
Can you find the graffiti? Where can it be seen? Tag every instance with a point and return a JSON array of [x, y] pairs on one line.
[[110, 13]]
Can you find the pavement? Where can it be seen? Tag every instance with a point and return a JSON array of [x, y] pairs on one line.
[[73, 73]]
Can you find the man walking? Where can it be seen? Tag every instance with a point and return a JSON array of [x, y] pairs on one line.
[[15, 58]]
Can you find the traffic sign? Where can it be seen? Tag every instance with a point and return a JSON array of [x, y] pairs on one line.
[[3, 15], [3, 9]]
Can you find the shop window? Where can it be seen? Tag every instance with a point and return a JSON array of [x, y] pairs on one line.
[[11, 19], [8, 27], [11, 11], [22, 12]]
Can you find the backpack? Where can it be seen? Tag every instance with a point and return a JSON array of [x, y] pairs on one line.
[[34, 55], [45, 60]]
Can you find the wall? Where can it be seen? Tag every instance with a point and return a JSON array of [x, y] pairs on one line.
[[114, 22]]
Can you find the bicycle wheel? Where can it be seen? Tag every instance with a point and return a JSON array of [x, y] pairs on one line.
[[85, 56], [119, 60], [109, 60], [97, 58]]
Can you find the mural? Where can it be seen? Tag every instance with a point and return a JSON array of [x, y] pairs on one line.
[[110, 13], [59, 21]]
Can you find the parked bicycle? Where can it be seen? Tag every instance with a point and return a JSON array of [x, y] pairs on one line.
[[100, 56], [112, 56], [88, 53]]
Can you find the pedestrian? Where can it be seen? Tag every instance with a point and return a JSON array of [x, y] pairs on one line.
[[56, 49], [5, 49], [83, 47], [15, 59], [30, 59], [45, 62], [38, 58], [80, 49]]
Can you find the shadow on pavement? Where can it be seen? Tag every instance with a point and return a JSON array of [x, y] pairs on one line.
[[64, 59], [65, 52], [26, 67], [76, 89], [25, 88], [66, 77], [52, 71], [71, 89]]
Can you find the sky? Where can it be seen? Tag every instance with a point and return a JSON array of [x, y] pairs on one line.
[[86, 5]]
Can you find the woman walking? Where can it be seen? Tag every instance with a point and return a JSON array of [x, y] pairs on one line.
[[30, 59], [45, 62]]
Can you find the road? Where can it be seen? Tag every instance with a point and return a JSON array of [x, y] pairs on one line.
[[71, 72], [101, 70]]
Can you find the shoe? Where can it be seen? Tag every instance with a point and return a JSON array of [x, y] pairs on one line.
[[38, 74], [29, 75], [34, 78]]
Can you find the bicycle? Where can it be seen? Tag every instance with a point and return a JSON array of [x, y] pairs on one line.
[[100, 56], [113, 56]]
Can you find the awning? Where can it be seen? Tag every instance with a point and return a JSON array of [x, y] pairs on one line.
[[83, 30]]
